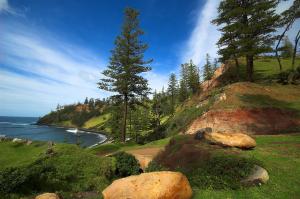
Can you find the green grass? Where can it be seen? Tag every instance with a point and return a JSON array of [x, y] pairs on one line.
[[70, 170], [280, 156], [96, 121], [17, 154], [265, 67]]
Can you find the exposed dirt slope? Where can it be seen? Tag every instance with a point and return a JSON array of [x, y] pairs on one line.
[[253, 109]]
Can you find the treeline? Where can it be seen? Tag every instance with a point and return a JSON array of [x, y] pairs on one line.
[[77, 113]]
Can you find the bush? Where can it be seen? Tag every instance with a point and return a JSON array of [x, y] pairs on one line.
[[70, 170], [155, 166], [289, 76], [223, 172], [126, 164]]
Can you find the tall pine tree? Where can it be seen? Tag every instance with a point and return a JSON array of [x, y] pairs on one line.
[[123, 74], [250, 23]]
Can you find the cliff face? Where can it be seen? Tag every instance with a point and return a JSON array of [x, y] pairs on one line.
[[253, 109]]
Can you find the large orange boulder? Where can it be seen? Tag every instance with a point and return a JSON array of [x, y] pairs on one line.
[[47, 196], [238, 140], [153, 185]]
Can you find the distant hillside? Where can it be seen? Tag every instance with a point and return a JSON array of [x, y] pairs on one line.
[[222, 99]]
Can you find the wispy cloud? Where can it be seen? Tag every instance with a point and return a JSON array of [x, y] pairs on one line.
[[39, 70], [42, 70], [204, 35], [6, 8]]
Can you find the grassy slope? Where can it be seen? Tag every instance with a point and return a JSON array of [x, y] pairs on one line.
[[253, 95], [280, 156], [17, 154]]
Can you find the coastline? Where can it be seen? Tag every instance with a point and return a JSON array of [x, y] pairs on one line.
[[100, 134]]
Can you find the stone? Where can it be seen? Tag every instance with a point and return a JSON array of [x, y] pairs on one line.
[[238, 140], [153, 185], [258, 176], [199, 134], [29, 142], [47, 196]]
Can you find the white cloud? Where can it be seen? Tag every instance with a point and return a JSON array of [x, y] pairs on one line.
[[6, 8], [39, 72], [204, 35]]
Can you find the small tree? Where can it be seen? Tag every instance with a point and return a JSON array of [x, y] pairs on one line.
[[172, 91], [193, 80], [123, 75], [208, 72]]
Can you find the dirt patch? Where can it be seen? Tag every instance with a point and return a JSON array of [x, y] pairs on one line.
[[249, 121], [145, 155]]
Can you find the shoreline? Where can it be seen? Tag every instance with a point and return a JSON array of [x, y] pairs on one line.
[[100, 134]]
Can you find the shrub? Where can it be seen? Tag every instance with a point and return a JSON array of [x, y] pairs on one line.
[[126, 164], [155, 166], [221, 172]]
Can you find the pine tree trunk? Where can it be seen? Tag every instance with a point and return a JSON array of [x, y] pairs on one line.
[[123, 135], [278, 43], [237, 65], [295, 49], [249, 67]]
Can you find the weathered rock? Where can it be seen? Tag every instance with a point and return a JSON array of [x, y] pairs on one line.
[[29, 142], [47, 196], [258, 176], [162, 185], [239, 140], [199, 134]]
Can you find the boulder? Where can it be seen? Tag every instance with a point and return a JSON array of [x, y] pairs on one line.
[[199, 134], [47, 196], [153, 185], [238, 140], [29, 142], [258, 176]]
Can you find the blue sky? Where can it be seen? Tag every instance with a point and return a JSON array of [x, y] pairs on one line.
[[53, 51]]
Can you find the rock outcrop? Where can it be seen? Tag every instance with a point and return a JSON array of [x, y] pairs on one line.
[[47, 196], [258, 176], [249, 121], [154, 185], [238, 140]]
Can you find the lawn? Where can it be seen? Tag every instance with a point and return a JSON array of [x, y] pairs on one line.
[[280, 155], [17, 154]]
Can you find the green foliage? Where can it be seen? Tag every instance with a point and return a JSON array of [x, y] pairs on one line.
[[247, 28], [221, 172], [208, 69], [126, 164], [172, 91], [154, 166], [287, 48], [123, 75], [70, 169]]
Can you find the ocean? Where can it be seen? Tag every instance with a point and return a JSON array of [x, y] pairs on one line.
[[25, 128]]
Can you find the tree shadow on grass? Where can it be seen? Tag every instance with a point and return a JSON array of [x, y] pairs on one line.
[[259, 100]]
